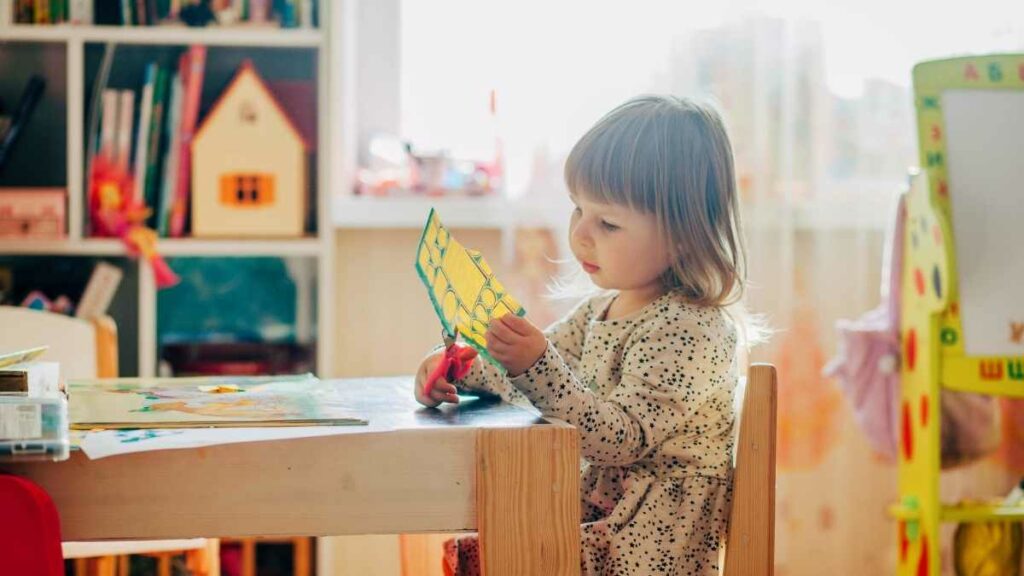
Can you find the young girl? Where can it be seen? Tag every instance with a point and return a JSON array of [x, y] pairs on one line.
[[646, 369]]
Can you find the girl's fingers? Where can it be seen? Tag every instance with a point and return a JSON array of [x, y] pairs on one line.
[[425, 399], [442, 386], [444, 392], [515, 324], [500, 332], [499, 349]]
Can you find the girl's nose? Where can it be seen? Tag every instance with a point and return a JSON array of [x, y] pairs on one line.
[[580, 234]]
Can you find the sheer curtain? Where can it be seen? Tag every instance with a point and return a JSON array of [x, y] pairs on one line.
[[819, 106]]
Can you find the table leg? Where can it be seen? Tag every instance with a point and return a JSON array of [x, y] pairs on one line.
[[528, 503]]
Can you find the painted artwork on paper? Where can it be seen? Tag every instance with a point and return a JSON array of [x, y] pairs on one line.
[[198, 402]]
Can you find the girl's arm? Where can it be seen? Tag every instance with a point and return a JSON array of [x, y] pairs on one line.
[[674, 369], [565, 335], [484, 378]]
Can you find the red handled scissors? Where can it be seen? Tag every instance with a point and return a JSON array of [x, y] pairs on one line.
[[454, 364]]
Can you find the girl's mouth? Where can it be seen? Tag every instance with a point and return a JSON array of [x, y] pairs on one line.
[[590, 268]]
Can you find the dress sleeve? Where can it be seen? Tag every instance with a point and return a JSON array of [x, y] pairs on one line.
[[673, 370], [566, 335]]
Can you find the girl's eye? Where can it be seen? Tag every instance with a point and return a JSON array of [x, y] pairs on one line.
[[608, 226]]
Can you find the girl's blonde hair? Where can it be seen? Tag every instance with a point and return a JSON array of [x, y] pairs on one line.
[[671, 157]]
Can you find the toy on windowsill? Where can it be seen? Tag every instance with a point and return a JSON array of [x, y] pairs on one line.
[[396, 167], [115, 213]]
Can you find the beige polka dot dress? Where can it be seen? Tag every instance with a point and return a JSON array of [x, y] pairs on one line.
[[652, 397]]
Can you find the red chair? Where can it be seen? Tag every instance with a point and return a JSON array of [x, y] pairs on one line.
[[30, 533]]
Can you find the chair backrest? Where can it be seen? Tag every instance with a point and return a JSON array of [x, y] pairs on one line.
[[84, 349], [750, 545]]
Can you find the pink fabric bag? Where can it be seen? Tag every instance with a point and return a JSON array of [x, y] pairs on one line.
[[867, 370]]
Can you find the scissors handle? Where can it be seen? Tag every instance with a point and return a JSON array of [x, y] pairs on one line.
[[454, 365]]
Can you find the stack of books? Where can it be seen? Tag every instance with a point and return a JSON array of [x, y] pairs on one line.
[[154, 144]]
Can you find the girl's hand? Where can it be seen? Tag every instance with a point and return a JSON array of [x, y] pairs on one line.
[[515, 342], [443, 391]]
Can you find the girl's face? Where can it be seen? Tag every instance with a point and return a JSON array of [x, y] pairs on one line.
[[618, 247]]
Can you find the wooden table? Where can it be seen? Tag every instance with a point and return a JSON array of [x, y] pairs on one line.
[[482, 465]]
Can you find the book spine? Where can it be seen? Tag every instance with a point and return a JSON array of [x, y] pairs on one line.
[[25, 11], [192, 87], [126, 113], [7, 15], [142, 134], [155, 136], [108, 125], [80, 12], [167, 196], [42, 12]]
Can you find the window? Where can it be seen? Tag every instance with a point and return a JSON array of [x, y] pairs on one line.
[[817, 96]]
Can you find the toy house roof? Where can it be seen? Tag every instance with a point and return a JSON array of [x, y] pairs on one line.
[[247, 69]]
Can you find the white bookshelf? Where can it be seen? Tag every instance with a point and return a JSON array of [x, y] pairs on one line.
[[167, 246], [316, 252], [242, 35]]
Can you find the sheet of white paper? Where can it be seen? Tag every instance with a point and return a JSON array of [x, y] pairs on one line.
[[114, 442], [985, 161]]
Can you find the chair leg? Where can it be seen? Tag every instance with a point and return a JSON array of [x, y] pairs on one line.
[[99, 566], [302, 561], [163, 566], [205, 562], [248, 557], [422, 553]]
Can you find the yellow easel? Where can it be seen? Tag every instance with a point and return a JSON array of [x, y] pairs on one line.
[[930, 324]]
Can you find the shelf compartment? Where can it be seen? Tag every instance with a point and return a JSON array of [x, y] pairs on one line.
[[67, 275], [167, 247], [39, 155], [289, 73], [211, 36]]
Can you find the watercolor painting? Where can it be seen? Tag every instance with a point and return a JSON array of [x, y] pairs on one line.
[[199, 402]]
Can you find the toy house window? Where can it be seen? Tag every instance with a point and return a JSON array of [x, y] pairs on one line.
[[247, 190]]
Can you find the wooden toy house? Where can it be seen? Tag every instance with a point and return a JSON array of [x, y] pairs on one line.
[[249, 165]]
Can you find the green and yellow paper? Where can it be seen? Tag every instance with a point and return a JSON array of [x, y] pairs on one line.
[[12, 358], [461, 285]]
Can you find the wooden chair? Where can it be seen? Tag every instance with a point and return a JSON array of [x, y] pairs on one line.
[[749, 549], [88, 349], [750, 545]]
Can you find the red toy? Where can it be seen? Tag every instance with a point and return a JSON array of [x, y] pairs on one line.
[[116, 212]]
